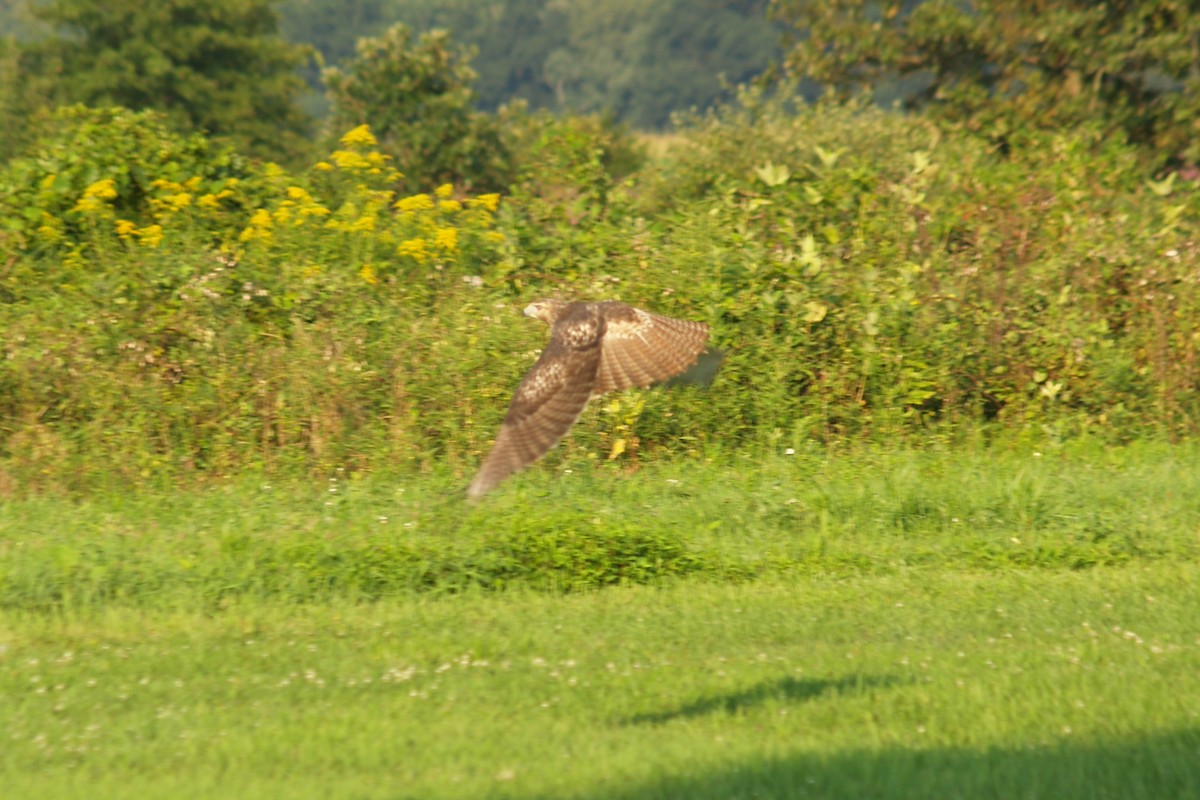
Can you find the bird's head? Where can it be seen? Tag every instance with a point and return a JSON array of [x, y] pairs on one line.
[[548, 311]]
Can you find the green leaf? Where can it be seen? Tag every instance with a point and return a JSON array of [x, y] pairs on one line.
[[773, 175], [1164, 187], [829, 158]]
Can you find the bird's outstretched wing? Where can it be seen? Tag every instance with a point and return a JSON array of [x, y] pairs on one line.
[[640, 348], [545, 406], [594, 348]]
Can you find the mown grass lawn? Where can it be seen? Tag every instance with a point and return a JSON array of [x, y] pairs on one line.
[[935, 663]]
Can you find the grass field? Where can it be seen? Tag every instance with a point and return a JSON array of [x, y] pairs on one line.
[[960, 623]]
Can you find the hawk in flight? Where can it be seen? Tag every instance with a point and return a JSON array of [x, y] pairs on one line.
[[594, 348]]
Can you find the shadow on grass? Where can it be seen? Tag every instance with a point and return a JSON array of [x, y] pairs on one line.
[[1164, 766], [790, 689]]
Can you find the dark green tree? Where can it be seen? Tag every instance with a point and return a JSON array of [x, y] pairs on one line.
[[418, 98], [216, 66], [1000, 65]]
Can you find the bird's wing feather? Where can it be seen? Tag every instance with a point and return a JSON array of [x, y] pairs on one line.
[[543, 409], [594, 348], [640, 348]]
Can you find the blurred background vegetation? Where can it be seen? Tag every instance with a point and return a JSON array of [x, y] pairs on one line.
[[293, 237]]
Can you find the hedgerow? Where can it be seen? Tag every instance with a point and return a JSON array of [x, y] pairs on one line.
[[172, 310]]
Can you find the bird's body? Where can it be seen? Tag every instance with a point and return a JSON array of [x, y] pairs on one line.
[[594, 348]]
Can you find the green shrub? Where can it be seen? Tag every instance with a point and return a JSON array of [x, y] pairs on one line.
[[173, 312]]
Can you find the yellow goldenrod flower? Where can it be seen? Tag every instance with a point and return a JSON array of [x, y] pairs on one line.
[[179, 201], [208, 201], [259, 227], [150, 236], [105, 190], [360, 135], [192, 183], [51, 233], [364, 223], [367, 272], [297, 193], [87, 205], [377, 159], [125, 228], [446, 239], [94, 195], [48, 181], [445, 190], [348, 159], [417, 202], [251, 234], [488, 201], [314, 211], [380, 199], [415, 248], [324, 166], [450, 205]]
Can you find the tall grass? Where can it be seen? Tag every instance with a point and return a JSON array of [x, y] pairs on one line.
[[569, 526]]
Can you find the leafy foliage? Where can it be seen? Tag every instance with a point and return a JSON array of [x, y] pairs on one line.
[[1001, 66], [210, 65]]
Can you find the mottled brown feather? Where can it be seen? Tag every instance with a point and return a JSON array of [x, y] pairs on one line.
[[594, 348], [640, 348]]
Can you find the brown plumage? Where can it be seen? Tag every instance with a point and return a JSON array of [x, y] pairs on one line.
[[594, 348]]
